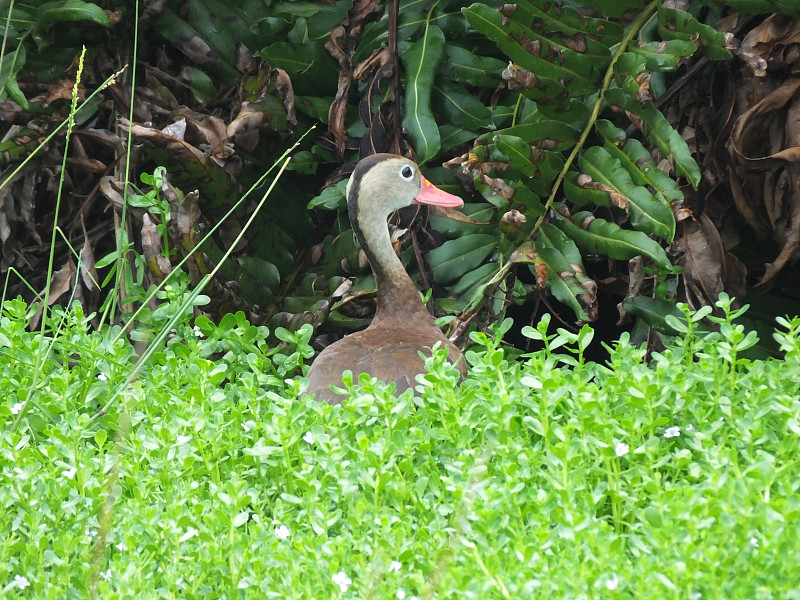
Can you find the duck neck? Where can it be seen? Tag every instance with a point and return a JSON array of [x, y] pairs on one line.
[[397, 295]]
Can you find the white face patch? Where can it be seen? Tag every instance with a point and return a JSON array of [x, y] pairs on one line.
[[386, 186]]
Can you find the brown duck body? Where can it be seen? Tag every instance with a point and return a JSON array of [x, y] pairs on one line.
[[389, 348], [389, 352]]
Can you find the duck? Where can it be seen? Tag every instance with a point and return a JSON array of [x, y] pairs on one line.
[[389, 348]]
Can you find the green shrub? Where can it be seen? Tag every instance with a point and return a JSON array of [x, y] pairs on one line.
[[542, 477]]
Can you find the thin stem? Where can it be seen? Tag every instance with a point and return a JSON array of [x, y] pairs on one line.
[[633, 30], [211, 231], [5, 37], [162, 335], [122, 255]]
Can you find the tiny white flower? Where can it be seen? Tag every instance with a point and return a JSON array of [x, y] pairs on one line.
[[395, 566], [612, 582], [282, 532], [754, 542], [69, 474], [308, 438], [190, 533], [621, 449], [102, 377], [401, 595], [106, 575], [17, 407], [245, 426], [21, 582], [122, 547], [197, 332], [672, 432], [342, 580], [182, 439]]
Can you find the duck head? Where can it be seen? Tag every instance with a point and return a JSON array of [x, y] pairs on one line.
[[384, 183]]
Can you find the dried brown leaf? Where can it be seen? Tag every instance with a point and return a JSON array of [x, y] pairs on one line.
[[12, 113], [286, 90], [772, 44], [784, 205], [180, 150], [89, 275], [58, 90], [499, 187], [513, 219], [708, 268], [244, 61], [617, 199], [363, 13], [151, 250], [91, 165], [337, 114], [112, 190], [518, 78], [747, 141], [62, 281], [343, 288], [248, 120]]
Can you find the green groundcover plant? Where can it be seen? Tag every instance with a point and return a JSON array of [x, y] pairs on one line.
[[540, 476]]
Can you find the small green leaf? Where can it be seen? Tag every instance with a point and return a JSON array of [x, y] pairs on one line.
[[70, 11], [647, 213], [474, 278], [639, 164], [460, 108], [454, 258], [564, 135], [598, 236], [452, 136], [100, 437], [678, 24], [331, 198], [664, 56], [660, 132], [107, 259], [261, 450], [11, 64], [566, 277], [654, 312], [548, 59], [517, 151], [312, 69], [467, 68]]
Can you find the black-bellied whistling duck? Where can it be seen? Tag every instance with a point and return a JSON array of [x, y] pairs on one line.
[[389, 348]]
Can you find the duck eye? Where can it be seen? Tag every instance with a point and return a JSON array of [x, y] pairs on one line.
[[407, 173]]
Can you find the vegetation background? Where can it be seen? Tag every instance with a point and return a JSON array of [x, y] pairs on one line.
[[616, 157]]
